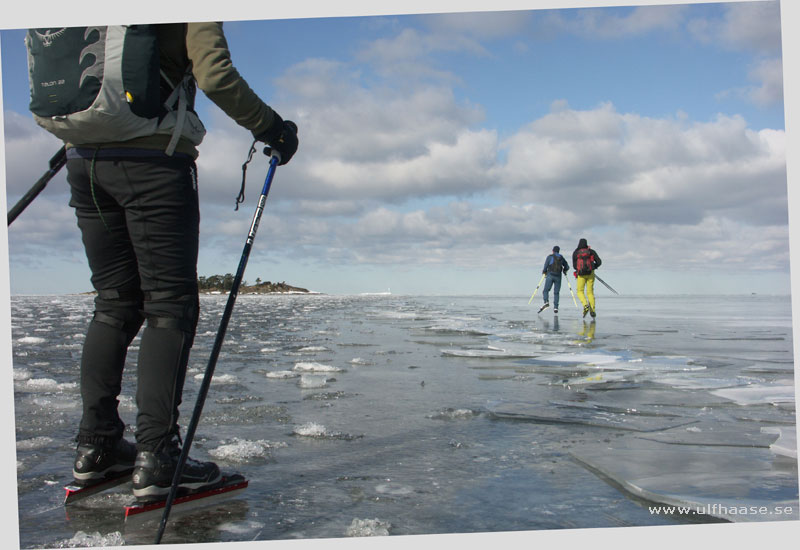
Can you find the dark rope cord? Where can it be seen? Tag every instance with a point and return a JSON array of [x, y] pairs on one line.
[[91, 188], [240, 198]]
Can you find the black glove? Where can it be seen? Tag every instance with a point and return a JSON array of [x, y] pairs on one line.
[[282, 137]]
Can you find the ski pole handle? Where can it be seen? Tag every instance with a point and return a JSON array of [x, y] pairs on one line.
[[271, 151]]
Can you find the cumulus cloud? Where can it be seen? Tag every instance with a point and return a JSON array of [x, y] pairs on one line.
[[707, 185], [482, 25], [613, 23], [752, 27], [768, 74], [373, 140], [629, 167], [743, 26], [396, 169]]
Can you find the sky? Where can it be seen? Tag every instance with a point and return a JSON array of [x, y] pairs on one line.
[[448, 153]]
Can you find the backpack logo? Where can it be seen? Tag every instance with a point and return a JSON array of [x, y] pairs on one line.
[[48, 37]]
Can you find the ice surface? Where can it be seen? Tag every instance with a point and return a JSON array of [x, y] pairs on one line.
[[491, 352], [786, 444], [585, 416], [759, 394], [410, 442], [715, 434], [579, 358], [718, 480]]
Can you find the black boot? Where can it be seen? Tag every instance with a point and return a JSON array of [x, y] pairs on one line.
[[152, 476], [95, 462]]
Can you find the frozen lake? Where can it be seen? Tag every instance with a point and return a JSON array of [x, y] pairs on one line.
[[399, 415]]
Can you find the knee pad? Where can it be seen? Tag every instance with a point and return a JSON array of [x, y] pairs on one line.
[[120, 308], [172, 310]]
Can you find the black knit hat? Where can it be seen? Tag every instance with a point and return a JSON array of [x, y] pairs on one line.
[[556, 248]]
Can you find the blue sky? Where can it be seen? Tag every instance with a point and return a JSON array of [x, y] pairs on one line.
[[448, 153]]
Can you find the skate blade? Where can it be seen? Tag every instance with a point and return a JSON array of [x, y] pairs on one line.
[[78, 491], [230, 486]]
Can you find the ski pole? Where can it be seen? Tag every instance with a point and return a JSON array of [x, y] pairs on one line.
[[537, 288], [223, 326], [58, 160], [574, 301], [605, 283]]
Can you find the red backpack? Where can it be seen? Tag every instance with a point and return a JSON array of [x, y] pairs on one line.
[[584, 261]]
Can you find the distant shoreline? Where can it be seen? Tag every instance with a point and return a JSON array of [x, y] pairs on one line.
[[259, 288]]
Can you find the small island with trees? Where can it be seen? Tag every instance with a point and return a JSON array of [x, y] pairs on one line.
[[224, 283]]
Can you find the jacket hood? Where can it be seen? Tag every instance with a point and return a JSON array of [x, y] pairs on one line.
[[583, 244]]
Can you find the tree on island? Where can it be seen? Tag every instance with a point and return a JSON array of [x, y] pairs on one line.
[[224, 283]]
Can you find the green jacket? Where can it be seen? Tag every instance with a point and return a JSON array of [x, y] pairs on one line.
[[203, 47]]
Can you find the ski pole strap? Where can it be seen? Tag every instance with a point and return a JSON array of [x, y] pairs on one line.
[[240, 197]]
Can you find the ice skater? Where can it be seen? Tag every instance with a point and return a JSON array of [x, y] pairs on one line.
[[554, 266], [586, 261]]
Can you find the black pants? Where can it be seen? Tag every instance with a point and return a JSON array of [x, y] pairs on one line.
[[139, 220]]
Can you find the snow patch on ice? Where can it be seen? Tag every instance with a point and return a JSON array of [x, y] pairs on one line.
[[394, 489], [314, 430], [453, 414], [47, 384], [315, 367], [282, 374], [312, 349], [240, 528], [34, 443], [310, 429], [368, 528], [31, 340], [219, 378], [83, 540], [241, 450], [312, 381], [21, 374]]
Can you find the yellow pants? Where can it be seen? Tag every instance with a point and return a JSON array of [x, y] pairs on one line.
[[586, 282]]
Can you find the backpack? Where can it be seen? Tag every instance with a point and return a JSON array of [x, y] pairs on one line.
[[557, 265], [104, 84], [584, 261]]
